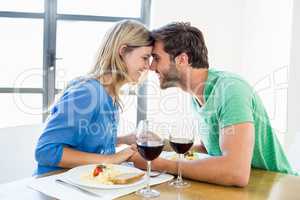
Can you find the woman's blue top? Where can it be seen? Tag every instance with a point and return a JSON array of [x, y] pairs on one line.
[[84, 118]]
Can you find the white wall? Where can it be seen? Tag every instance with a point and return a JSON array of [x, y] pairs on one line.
[[293, 137], [248, 37], [294, 81], [17, 146], [220, 22], [266, 31]]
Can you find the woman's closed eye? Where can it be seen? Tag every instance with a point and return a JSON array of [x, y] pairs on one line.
[[146, 58]]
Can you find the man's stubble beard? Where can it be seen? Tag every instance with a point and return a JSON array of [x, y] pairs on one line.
[[171, 78]]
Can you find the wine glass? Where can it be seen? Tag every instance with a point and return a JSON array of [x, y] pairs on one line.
[[149, 146], [181, 140]]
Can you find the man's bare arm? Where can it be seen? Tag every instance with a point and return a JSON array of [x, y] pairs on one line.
[[234, 166], [231, 168]]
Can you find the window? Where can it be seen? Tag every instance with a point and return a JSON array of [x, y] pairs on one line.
[[22, 6], [46, 43], [76, 52], [21, 54], [128, 8]]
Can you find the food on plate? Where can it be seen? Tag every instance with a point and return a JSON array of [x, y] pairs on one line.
[[188, 156], [108, 174], [127, 178], [98, 169]]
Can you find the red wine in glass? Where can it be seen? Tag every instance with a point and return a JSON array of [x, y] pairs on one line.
[[181, 145], [150, 150], [149, 146]]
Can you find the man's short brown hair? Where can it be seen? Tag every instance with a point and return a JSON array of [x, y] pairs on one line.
[[179, 37]]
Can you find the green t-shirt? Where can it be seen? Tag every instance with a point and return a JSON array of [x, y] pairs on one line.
[[230, 100]]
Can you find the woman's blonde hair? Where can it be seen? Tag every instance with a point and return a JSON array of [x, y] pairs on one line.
[[130, 33]]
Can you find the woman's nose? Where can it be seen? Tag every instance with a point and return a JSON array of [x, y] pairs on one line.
[[152, 66], [147, 65]]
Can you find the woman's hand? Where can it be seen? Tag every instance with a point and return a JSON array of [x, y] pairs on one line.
[[124, 155]]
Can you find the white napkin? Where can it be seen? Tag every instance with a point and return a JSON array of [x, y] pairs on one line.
[[50, 187]]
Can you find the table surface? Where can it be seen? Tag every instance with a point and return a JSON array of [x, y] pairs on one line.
[[262, 185]]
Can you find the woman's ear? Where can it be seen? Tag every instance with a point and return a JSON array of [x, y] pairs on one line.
[[122, 50]]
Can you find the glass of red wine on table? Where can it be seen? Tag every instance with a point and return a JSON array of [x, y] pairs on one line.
[[181, 140], [149, 145]]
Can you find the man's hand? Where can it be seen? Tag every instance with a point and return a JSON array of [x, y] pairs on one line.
[[141, 163], [138, 161], [158, 164]]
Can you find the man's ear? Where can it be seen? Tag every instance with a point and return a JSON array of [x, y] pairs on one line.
[[122, 50], [182, 59]]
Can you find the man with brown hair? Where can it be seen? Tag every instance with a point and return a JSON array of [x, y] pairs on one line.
[[236, 129]]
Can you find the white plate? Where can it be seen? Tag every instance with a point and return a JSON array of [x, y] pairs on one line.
[[170, 155], [74, 176]]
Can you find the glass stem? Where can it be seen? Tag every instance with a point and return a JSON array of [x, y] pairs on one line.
[[148, 174], [179, 176]]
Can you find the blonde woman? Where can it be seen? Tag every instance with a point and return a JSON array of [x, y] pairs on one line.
[[82, 125]]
